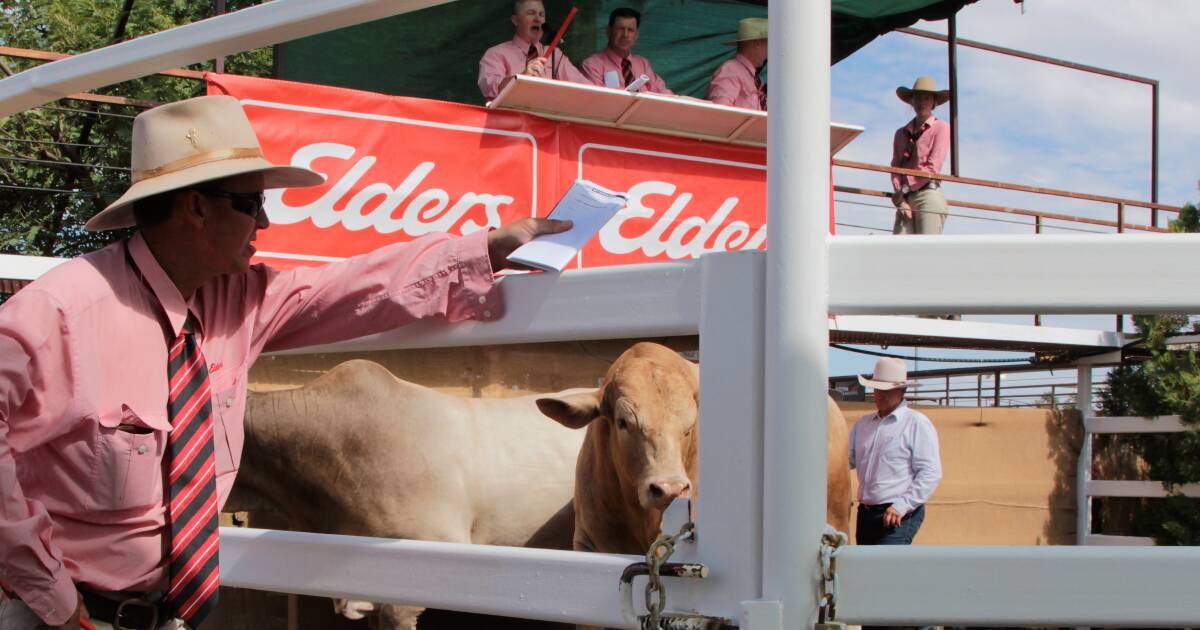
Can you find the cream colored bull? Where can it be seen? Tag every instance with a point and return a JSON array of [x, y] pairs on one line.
[[361, 452], [641, 449]]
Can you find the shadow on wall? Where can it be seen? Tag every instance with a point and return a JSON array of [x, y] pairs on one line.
[[1064, 438]]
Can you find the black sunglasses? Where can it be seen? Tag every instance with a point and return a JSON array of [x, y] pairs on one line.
[[248, 203]]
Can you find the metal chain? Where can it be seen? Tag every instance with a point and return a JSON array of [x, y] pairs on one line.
[[832, 541], [656, 591]]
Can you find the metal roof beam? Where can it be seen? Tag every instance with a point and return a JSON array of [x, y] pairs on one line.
[[250, 28]]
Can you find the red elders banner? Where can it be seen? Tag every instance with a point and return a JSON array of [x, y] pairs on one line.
[[397, 168]]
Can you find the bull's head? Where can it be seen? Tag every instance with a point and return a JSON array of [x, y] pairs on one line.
[[644, 420]]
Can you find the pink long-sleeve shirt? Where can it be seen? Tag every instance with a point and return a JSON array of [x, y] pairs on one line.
[[83, 390], [733, 84], [928, 155], [609, 60], [508, 58]]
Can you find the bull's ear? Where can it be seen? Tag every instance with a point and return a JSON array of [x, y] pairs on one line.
[[573, 411]]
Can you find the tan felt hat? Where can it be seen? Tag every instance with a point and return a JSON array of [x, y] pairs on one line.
[[182, 144], [749, 29], [923, 84], [889, 374]]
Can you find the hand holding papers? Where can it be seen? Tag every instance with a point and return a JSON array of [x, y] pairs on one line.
[[589, 206]]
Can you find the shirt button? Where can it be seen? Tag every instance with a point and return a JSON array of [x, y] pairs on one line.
[[142, 449], [487, 314], [483, 299], [228, 402]]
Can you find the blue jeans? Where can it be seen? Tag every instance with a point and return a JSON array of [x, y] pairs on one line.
[[872, 531]]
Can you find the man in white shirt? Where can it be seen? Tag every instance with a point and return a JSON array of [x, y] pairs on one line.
[[895, 453]]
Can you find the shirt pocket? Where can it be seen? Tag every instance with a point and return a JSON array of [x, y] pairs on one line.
[[128, 448], [228, 401], [896, 457]]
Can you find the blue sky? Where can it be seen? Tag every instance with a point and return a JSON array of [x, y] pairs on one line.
[[1030, 123]]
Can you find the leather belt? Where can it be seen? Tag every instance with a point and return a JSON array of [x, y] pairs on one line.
[[932, 184], [126, 611]]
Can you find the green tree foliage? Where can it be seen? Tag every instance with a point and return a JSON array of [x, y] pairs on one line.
[[1167, 383], [61, 147]]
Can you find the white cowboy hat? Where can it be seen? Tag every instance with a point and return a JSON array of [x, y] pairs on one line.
[[749, 29], [182, 144], [923, 84], [889, 374]]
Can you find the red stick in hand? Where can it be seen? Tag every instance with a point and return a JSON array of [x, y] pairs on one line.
[[559, 35]]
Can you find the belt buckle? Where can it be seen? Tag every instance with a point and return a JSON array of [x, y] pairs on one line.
[[119, 624]]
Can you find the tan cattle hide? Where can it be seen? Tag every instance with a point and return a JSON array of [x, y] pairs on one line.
[[641, 449]]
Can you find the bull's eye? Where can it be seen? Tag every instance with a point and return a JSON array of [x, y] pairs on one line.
[[621, 423]]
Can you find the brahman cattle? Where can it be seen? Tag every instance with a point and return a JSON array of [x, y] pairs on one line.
[[641, 449], [361, 452]]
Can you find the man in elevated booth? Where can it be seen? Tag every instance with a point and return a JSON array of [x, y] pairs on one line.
[[738, 82], [525, 53], [616, 66]]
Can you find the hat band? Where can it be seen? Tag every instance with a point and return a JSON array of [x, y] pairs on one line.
[[196, 160]]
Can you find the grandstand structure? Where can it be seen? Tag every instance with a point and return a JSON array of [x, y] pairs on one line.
[[764, 323]]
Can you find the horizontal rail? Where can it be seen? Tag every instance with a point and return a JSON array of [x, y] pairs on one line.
[[1137, 489], [1001, 185], [1013, 274], [870, 275], [1105, 540], [1015, 211], [45, 55], [253, 27], [18, 267], [545, 584], [651, 300], [1134, 424], [970, 43], [1015, 585]]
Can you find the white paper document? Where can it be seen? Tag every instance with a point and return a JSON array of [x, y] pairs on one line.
[[589, 206]]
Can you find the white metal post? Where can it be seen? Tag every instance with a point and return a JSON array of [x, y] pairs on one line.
[[1083, 474], [797, 299], [729, 508]]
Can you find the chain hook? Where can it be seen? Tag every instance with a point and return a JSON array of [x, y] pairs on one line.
[[656, 557]]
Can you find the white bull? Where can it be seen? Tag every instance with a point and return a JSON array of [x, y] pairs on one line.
[[361, 452]]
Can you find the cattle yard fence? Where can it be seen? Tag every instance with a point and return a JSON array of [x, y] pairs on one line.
[[1088, 488], [763, 332]]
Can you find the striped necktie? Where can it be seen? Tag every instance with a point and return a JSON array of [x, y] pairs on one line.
[[192, 511], [762, 90], [627, 71]]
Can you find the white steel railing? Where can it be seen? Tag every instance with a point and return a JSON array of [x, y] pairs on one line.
[[1089, 488], [761, 319]]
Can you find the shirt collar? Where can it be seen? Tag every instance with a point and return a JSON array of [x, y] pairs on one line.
[[616, 57], [742, 59], [928, 122], [524, 45], [895, 412], [159, 283]]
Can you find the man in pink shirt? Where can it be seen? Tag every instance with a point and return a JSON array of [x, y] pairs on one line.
[[123, 372], [524, 53], [737, 81], [616, 66], [920, 145]]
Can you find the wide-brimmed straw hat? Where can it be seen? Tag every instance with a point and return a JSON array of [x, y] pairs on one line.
[[923, 84], [889, 374], [182, 144], [750, 28]]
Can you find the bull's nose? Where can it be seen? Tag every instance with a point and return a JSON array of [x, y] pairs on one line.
[[664, 491]]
